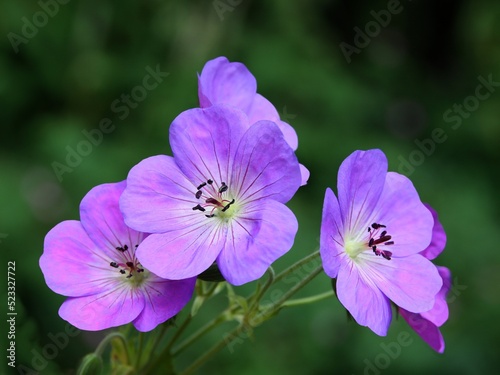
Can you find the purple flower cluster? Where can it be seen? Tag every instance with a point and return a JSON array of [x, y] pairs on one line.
[[140, 244]]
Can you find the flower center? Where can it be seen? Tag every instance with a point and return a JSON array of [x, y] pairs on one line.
[[214, 200], [376, 241], [129, 266]]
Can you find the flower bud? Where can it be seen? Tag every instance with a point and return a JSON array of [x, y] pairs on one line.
[[91, 365]]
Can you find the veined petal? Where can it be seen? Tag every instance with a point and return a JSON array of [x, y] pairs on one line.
[[104, 310], [261, 233], [407, 220], [262, 109], [360, 182], [411, 282], [72, 264], [331, 239], [158, 198], [204, 141], [103, 221], [424, 328], [304, 174], [264, 165], [183, 253], [361, 297], [439, 312], [162, 300], [224, 82], [438, 241]]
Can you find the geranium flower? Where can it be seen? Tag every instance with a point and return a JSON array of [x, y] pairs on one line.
[[93, 261], [370, 240], [220, 198], [426, 324], [231, 83]]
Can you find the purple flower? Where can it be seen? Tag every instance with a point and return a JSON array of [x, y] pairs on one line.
[[93, 261], [220, 198], [426, 324], [231, 83], [370, 240]]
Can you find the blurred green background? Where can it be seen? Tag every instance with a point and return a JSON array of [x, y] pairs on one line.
[[393, 94]]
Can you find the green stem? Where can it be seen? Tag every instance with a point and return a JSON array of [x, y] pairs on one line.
[[277, 305], [296, 266], [139, 350], [270, 281], [307, 300], [113, 335], [195, 336], [213, 350], [178, 333]]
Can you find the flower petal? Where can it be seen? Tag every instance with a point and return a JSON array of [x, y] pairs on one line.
[[72, 264], [360, 182], [361, 297], [407, 220], [104, 310], [262, 232], [331, 239], [439, 312], [224, 82], [103, 221], [425, 329], [264, 165], [204, 141], [183, 253], [158, 198], [411, 282], [304, 174], [262, 109], [163, 299], [438, 241]]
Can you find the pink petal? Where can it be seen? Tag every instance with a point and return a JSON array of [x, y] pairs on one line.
[[162, 300], [72, 264], [425, 329], [262, 232], [103, 221], [224, 82], [438, 241], [204, 141], [104, 310], [331, 240], [159, 197], [360, 182], [264, 165], [361, 297], [439, 312], [184, 253], [407, 220], [411, 282]]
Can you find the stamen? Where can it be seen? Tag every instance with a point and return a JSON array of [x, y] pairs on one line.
[[212, 215], [370, 243], [223, 188], [114, 264], [201, 185], [210, 182], [227, 206], [122, 272], [130, 264], [198, 194], [383, 233], [389, 243], [198, 207], [213, 201], [386, 254], [377, 226]]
